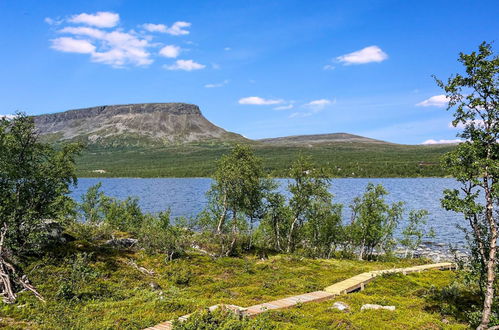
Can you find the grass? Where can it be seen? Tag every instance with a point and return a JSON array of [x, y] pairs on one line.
[[116, 295], [199, 160], [409, 294]]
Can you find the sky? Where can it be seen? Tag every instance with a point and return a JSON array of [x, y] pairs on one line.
[[261, 68]]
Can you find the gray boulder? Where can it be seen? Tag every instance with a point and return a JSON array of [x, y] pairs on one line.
[[341, 306], [122, 243], [374, 306]]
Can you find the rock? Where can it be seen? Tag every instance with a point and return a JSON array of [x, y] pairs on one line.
[[374, 306], [53, 233], [122, 243], [341, 306], [445, 321], [155, 286], [145, 123]]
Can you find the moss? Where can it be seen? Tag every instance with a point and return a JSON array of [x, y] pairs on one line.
[[119, 296]]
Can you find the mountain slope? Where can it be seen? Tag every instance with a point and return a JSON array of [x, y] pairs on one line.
[[176, 140], [319, 139], [132, 124]]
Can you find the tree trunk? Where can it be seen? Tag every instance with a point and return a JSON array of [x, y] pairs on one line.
[[362, 248], [290, 235], [223, 216], [491, 262]]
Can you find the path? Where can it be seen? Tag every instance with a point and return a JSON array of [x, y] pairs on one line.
[[351, 284]]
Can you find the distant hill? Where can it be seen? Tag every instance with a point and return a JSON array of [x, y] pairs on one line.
[[317, 139], [132, 124], [176, 140]]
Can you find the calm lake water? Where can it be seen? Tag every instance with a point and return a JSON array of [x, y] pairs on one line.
[[186, 196]]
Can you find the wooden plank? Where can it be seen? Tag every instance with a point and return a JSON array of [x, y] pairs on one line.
[[348, 285]]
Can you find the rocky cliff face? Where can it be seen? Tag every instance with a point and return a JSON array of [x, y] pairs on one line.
[[147, 123]]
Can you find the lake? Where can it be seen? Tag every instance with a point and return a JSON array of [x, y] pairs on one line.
[[186, 196]]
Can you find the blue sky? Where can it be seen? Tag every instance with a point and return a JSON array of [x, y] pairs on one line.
[[258, 68]]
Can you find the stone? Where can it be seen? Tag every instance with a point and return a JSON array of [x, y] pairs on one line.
[[374, 306], [53, 233], [341, 306], [155, 286], [123, 243]]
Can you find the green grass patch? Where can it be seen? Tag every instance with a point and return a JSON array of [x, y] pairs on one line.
[[114, 294], [199, 160]]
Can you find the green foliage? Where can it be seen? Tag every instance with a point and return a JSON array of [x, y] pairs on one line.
[[200, 160], [79, 273], [97, 209], [235, 196], [120, 296], [310, 201], [373, 222], [220, 319], [474, 97], [34, 183], [415, 231], [90, 207], [158, 235]]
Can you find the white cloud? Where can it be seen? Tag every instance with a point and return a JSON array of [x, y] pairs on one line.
[[284, 107], [114, 48], [439, 101], [177, 29], [102, 19], [313, 107], [185, 65], [155, 27], [117, 47], [227, 49], [170, 51], [319, 105], [225, 82], [431, 141], [256, 100], [328, 67], [366, 55], [70, 45], [84, 31]]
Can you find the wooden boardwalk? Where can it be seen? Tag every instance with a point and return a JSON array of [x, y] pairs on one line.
[[351, 284]]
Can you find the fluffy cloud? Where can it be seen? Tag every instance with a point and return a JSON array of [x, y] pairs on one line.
[[223, 83], [185, 65], [70, 45], [439, 101], [328, 67], [366, 55], [313, 107], [255, 100], [154, 27], [102, 19], [177, 29], [170, 51], [117, 47], [431, 141]]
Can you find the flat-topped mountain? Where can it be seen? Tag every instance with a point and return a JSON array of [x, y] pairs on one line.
[[316, 139], [132, 124]]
